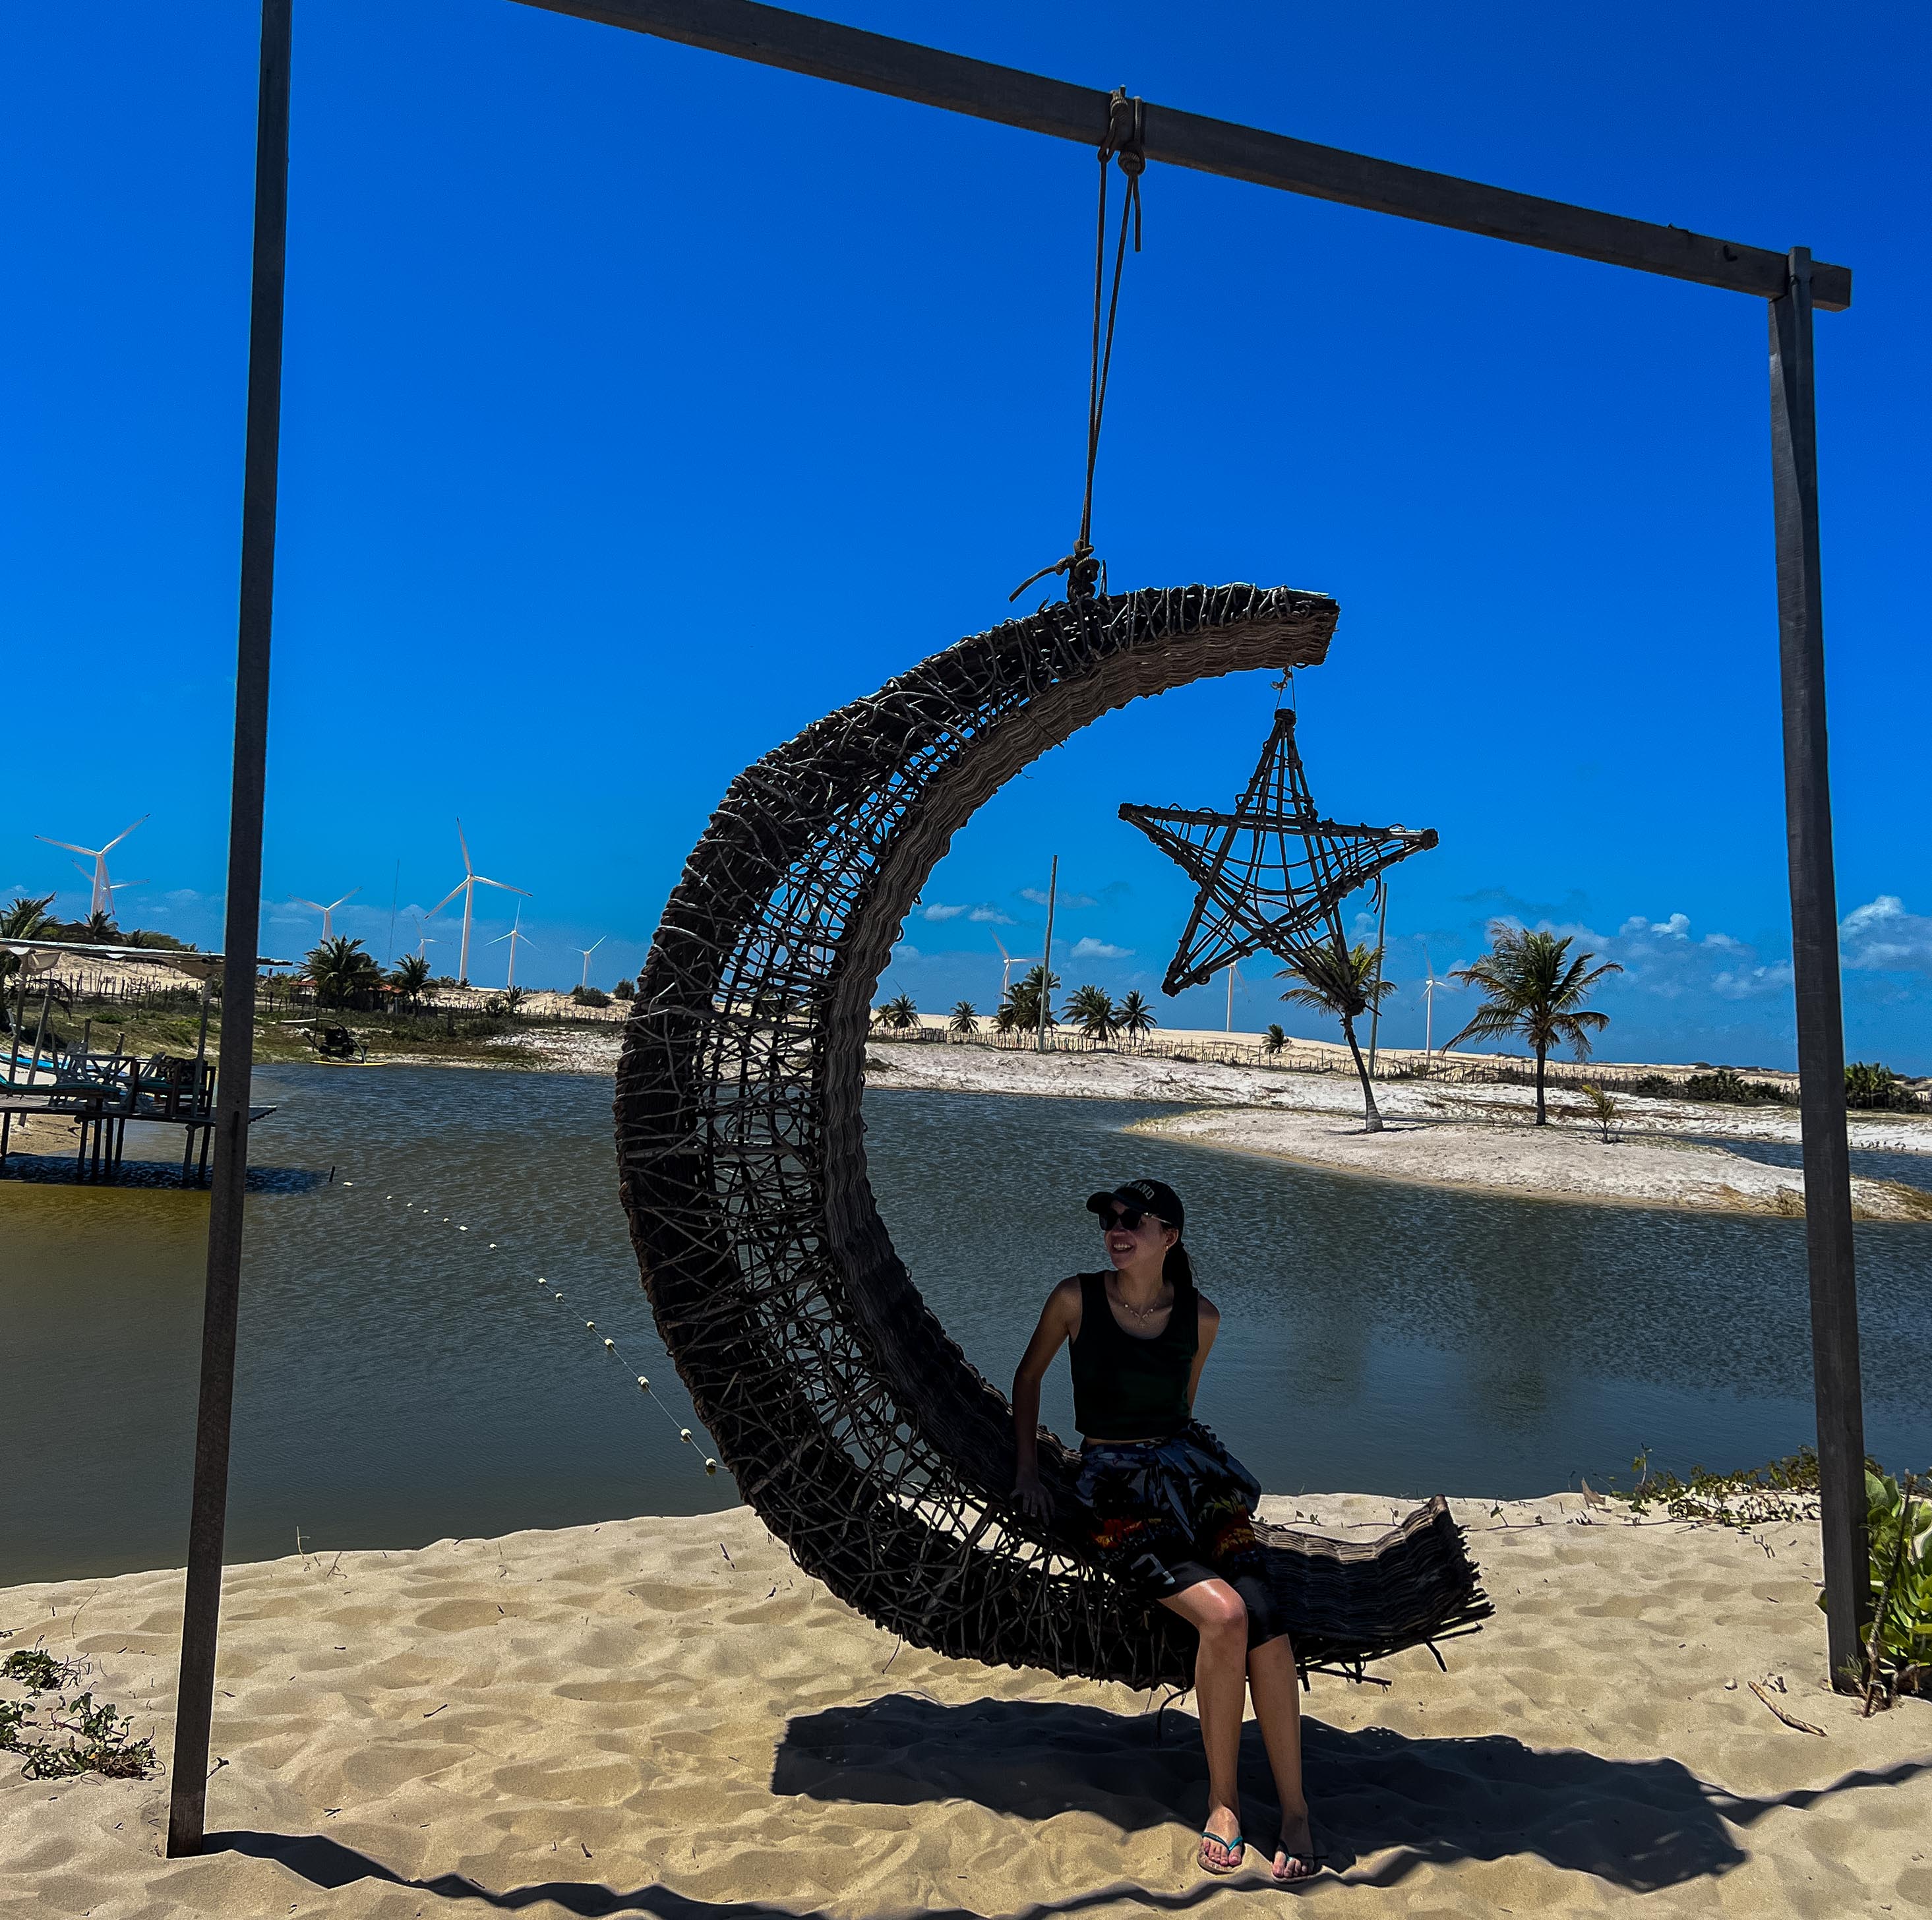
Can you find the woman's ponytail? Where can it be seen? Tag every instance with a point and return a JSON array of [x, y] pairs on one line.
[[1177, 1270]]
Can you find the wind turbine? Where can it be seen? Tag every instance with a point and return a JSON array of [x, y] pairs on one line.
[[586, 952], [515, 934], [423, 939], [1430, 982], [113, 886], [104, 888], [327, 923], [1007, 964], [467, 887]]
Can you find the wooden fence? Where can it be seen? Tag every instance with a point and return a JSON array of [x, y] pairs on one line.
[[1506, 1070]]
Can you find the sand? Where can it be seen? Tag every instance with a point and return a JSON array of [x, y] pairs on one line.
[[1551, 1163], [666, 1716]]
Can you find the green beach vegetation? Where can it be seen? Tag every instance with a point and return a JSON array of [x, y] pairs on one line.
[[1897, 1652], [76, 1736]]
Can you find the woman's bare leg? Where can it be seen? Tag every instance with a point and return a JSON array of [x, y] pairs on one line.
[[1216, 1612], [1277, 1691]]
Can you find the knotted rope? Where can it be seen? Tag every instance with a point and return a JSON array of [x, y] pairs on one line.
[[1123, 144]]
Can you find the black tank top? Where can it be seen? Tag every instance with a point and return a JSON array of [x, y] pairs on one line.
[[1125, 1388]]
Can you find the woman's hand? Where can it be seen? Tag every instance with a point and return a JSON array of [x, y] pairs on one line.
[[1030, 1496]]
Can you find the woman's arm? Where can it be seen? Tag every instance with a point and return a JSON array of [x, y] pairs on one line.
[[1210, 1325], [1059, 1321]]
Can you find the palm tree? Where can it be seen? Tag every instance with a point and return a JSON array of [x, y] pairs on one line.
[[20, 919], [1533, 989], [965, 1018], [98, 930], [1019, 1012], [1346, 983], [411, 977], [1091, 1009], [341, 973], [1274, 1039], [899, 1014], [1134, 1018]]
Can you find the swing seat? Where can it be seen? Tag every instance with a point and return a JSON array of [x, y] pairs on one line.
[[852, 1422]]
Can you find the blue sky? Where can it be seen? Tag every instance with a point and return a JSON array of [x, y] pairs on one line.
[[643, 405]]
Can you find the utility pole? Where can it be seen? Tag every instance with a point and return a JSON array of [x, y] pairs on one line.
[[1231, 997], [1375, 1012], [1046, 961]]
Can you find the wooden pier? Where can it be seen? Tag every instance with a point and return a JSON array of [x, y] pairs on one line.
[[102, 1092]]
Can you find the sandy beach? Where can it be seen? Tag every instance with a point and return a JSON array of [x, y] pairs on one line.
[[1439, 1133], [1564, 1163], [668, 1717]]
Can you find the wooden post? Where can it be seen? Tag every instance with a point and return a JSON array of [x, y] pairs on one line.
[[1375, 1011], [188, 1792], [1814, 959], [1046, 962]]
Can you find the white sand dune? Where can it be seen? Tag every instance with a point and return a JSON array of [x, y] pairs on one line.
[[666, 1717]]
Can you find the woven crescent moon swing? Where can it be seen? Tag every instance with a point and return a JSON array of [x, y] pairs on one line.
[[853, 1423]]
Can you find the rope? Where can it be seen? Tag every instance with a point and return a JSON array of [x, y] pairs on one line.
[[429, 1215], [1123, 144]]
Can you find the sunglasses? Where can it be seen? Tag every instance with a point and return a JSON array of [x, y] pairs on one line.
[[1129, 1217]]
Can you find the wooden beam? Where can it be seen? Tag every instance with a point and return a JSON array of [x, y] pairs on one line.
[[802, 44], [208, 1520], [1835, 1377]]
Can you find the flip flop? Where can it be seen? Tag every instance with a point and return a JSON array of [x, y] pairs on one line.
[[1314, 1861], [1237, 1847]]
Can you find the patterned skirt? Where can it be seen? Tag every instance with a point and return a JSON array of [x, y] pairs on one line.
[[1168, 1515]]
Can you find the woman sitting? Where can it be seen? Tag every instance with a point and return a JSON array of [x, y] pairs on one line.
[[1171, 1507]]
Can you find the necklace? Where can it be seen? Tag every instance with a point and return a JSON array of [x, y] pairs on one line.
[[1142, 1314]]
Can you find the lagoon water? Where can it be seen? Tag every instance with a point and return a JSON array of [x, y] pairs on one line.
[[400, 1381]]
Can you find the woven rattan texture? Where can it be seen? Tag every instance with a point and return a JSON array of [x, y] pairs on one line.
[[853, 1423]]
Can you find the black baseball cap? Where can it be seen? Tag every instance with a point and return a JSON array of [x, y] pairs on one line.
[[1144, 1196]]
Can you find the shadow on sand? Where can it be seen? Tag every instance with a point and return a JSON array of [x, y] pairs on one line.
[[1378, 1797], [1392, 1803]]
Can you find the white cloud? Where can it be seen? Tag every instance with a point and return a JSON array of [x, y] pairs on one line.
[[983, 914], [905, 950], [1752, 981], [1881, 936], [1037, 894], [1098, 949], [1677, 927]]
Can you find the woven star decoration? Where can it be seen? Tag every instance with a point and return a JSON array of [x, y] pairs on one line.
[[1272, 873]]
